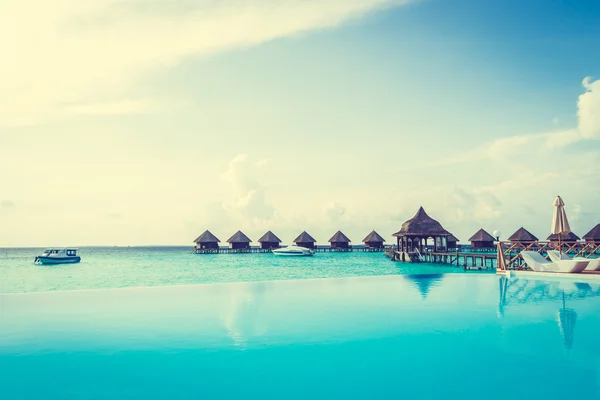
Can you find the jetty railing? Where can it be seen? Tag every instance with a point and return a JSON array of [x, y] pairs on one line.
[[509, 253]]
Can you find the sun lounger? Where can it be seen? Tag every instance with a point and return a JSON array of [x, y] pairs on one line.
[[539, 263], [594, 263]]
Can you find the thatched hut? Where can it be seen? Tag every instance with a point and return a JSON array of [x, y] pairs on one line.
[[239, 241], [207, 241], [339, 241], [482, 240], [425, 282], [522, 235], [593, 236], [565, 238], [373, 240], [452, 242], [415, 232], [305, 240], [269, 241]]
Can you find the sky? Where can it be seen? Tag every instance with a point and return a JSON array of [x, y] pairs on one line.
[[140, 122]]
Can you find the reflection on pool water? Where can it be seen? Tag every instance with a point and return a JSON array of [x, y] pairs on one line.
[[412, 336]]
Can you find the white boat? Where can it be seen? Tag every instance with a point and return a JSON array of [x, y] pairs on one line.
[[293, 250], [58, 256]]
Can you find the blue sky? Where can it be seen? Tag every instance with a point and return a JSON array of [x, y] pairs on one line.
[[169, 118]]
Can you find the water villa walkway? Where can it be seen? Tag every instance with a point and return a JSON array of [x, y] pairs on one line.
[[239, 243], [316, 249]]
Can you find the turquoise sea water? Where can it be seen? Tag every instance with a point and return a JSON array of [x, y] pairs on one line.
[[115, 267], [436, 336]]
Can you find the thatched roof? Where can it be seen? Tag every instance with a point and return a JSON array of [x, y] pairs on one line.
[[239, 237], [593, 234], [422, 225], [304, 238], [269, 237], [452, 238], [207, 237], [373, 237], [482, 236], [567, 237], [522, 235], [425, 282], [339, 237]]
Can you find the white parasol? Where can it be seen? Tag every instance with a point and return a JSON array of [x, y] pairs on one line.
[[560, 224]]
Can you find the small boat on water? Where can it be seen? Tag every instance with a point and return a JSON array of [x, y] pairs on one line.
[[58, 256], [293, 250]]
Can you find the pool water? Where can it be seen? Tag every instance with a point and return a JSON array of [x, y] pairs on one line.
[[415, 336]]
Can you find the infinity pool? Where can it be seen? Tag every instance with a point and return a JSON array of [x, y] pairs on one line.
[[429, 336]]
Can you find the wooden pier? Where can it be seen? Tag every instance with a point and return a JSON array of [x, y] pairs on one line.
[[466, 259], [317, 249]]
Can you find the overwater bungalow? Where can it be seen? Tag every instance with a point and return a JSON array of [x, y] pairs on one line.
[[305, 240], [565, 238], [416, 231], [269, 241], [482, 240], [339, 241], [239, 241], [452, 242], [593, 236], [522, 235], [207, 241], [373, 240]]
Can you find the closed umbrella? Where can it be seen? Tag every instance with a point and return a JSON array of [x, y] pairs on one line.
[[560, 224], [567, 317]]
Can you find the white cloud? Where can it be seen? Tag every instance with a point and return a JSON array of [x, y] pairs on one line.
[[248, 199], [589, 109], [335, 212], [7, 204], [69, 51], [479, 205], [532, 145]]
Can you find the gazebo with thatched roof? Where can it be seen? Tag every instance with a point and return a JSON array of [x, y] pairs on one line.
[[425, 282], [207, 241], [593, 236], [269, 241], [239, 241], [305, 240], [482, 240], [522, 235], [373, 240], [565, 238], [452, 242], [416, 231], [339, 241]]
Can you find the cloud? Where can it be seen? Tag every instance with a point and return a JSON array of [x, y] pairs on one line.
[[335, 212], [7, 204], [481, 205], [497, 150], [589, 109], [69, 51], [248, 199]]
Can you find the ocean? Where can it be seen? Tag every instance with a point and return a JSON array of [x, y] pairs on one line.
[[119, 267]]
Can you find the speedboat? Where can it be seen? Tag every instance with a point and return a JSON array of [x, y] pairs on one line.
[[58, 256], [293, 250]]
